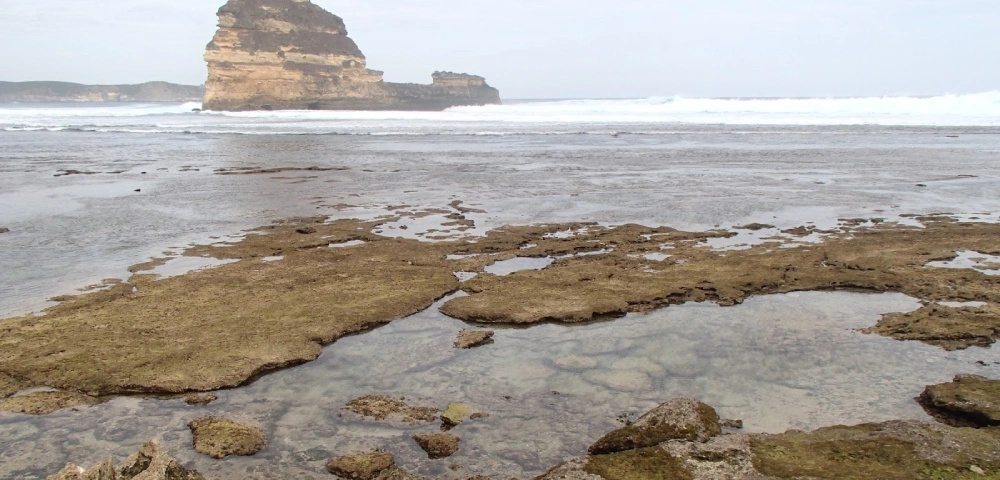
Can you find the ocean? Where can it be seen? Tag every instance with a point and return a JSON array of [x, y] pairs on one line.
[[90, 189]]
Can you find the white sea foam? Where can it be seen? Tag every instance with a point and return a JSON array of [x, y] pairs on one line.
[[649, 116]]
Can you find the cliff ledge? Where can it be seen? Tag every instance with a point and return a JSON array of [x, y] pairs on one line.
[[293, 55]]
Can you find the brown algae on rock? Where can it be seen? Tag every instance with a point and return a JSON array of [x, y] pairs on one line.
[[438, 445], [474, 338], [183, 334], [891, 451], [44, 403], [968, 401], [642, 464], [381, 407], [679, 419], [365, 466], [220, 438]]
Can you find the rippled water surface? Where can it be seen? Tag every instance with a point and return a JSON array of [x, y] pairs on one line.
[[777, 362]]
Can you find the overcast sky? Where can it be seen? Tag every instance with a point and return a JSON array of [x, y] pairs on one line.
[[556, 48]]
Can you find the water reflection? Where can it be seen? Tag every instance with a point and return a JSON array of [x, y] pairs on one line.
[[777, 362]]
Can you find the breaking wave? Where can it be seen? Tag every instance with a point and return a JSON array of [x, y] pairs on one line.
[[649, 115]]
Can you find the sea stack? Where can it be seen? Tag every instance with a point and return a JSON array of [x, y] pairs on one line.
[[293, 55]]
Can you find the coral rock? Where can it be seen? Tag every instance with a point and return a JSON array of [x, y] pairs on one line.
[[679, 419], [438, 445], [219, 438], [366, 466]]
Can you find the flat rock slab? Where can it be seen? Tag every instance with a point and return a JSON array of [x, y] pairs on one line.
[[679, 419], [474, 338], [381, 407], [438, 445], [367, 466], [44, 403], [968, 401], [220, 438]]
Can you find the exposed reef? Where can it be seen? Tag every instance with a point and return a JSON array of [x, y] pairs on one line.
[[75, 92], [902, 450], [293, 55], [150, 463], [222, 327]]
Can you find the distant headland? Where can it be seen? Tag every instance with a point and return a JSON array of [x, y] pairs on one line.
[[75, 92], [293, 55]]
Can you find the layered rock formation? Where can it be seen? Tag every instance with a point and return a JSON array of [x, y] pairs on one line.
[[291, 54], [75, 92]]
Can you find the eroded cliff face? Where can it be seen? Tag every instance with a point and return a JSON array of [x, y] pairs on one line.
[[291, 54]]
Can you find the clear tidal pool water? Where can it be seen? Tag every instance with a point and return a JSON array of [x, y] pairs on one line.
[[777, 362]]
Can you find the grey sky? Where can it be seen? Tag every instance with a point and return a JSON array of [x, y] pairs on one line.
[[556, 48]]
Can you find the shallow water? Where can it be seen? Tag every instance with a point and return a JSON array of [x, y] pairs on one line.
[[71, 231], [777, 362]]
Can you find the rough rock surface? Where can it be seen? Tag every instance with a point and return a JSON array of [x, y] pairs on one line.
[[193, 340], [473, 338], [438, 445], [220, 438], [381, 407], [678, 419], [367, 466], [968, 401], [196, 400], [150, 463], [44, 403], [455, 414], [291, 54], [896, 450]]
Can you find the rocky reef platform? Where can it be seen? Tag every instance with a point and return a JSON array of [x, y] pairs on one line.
[[293, 55]]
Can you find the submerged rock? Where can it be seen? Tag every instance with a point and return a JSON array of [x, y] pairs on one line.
[[679, 419], [381, 407], [44, 403], [366, 466], [293, 55], [968, 401], [438, 445], [150, 463], [474, 338], [638, 464], [455, 414], [219, 438], [196, 400]]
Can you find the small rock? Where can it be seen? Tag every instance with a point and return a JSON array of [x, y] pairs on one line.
[[921, 185], [679, 419], [474, 338], [366, 466], [4, 230], [219, 438], [977, 470], [305, 230], [479, 416], [200, 400], [455, 414], [737, 424], [438, 445], [138, 190]]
